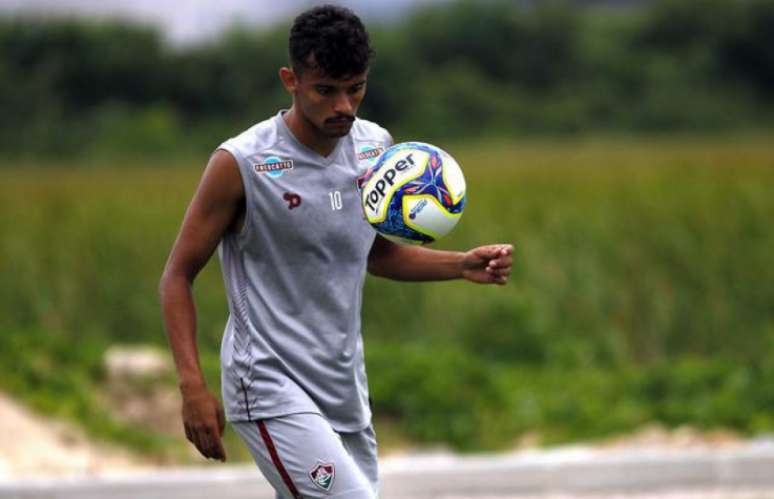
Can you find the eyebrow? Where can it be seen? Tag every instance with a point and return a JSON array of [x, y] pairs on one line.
[[334, 85]]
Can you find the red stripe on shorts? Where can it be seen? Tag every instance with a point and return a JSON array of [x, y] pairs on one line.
[[276, 460]]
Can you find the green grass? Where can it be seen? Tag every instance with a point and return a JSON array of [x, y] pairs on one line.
[[642, 291]]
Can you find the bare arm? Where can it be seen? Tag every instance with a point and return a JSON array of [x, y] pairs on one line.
[[485, 264], [214, 209]]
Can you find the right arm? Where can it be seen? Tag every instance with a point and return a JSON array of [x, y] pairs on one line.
[[216, 208]]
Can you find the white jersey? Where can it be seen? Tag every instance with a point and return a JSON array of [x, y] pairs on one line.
[[294, 277]]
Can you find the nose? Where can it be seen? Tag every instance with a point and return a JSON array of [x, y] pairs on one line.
[[342, 104]]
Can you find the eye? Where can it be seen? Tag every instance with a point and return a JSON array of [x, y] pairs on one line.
[[356, 88], [323, 89]]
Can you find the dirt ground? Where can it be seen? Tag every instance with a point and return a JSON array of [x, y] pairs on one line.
[[34, 446]]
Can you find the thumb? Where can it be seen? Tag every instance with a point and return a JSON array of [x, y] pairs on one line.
[[220, 451], [487, 252]]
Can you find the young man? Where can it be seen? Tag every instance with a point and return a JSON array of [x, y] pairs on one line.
[[293, 374]]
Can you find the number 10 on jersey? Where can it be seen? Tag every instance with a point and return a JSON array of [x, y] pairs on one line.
[[335, 200]]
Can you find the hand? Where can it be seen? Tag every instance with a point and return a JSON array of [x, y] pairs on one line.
[[204, 422], [488, 264]]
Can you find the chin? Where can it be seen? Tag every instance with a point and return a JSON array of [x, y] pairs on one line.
[[337, 133]]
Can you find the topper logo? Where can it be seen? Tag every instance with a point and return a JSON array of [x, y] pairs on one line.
[[388, 179], [293, 200], [393, 173]]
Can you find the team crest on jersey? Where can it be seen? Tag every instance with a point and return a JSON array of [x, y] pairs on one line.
[[293, 200], [273, 166], [361, 180], [322, 475]]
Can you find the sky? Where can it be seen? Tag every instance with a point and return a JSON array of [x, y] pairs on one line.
[[191, 21]]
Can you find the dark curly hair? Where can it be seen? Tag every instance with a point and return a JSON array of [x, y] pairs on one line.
[[335, 37]]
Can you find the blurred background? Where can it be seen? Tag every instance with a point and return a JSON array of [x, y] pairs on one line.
[[624, 147]]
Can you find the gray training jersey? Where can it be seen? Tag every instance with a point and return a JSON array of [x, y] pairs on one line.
[[294, 277]]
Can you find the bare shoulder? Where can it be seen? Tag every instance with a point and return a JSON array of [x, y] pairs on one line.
[[222, 167], [216, 207], [221, 180]]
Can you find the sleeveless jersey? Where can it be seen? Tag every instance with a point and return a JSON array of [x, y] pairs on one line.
[[294, 277]]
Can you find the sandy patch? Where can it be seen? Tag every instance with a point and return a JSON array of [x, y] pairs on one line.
[[33, 446]]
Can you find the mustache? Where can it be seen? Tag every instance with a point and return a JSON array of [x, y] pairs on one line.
[[341, 117]]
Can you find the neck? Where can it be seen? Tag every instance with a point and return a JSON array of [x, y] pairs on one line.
[[306, 133]]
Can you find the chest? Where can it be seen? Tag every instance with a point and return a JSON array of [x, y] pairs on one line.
[[310, 210]]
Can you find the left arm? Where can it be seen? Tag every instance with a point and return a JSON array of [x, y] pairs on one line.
[[485, 264]]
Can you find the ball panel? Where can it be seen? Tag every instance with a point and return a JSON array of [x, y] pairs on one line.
[[391, 174], [453, 178], [394, 225], [426, 215]]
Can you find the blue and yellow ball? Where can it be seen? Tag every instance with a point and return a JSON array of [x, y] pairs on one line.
[[414, 194]]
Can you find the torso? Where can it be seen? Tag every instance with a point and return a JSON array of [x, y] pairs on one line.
[[294, 266]]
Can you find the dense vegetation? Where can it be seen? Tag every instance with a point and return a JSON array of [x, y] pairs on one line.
[[467, 69], [644, 283], [642, 292]]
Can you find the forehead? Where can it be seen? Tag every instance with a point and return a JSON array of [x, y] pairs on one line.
[[313, 76]]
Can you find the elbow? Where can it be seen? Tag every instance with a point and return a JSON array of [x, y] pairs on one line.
[[374, 270], [377, 265], [383, 258], [380, 268], [169, 279], [163, 284], [175, 277]]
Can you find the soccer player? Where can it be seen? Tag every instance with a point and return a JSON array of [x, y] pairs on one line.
[[281, 202]]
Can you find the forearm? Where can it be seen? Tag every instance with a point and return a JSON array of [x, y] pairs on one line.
[[180, 319], [416, 263]]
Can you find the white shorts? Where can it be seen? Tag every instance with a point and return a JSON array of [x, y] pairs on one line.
[[302, 456]]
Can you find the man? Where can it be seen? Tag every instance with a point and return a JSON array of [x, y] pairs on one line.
[[294, 262]]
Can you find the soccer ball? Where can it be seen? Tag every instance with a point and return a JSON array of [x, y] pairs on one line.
[[415, 193]]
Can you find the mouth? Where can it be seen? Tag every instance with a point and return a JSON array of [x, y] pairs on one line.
[[340, 121]]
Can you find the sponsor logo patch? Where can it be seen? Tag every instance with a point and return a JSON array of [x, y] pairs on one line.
[[322, 475], [370, 153], [273, 166]]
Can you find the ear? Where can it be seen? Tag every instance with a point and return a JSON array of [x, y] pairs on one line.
[[289, 79]]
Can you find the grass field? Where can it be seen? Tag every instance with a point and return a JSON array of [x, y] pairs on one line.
[[643, 291]]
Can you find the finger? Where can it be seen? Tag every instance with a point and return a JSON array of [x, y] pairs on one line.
[[209, 442], [506, 250], [201, 442], [487, 252], [501, 280], [217, 450], [496, 254], [212, 445], [501, 262], [504, 272]]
